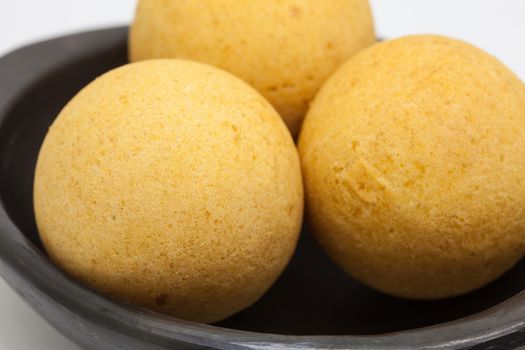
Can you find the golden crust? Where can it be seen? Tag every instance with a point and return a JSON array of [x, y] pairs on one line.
[[414, 164], [285, 49], [172, 185]]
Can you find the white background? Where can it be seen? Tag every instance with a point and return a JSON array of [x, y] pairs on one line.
[[497, 26]]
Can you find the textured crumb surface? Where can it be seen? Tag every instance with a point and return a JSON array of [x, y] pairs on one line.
[[414, 164], [285, 49], [172, 185]]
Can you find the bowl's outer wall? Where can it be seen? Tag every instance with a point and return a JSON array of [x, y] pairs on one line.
[[35, 82]]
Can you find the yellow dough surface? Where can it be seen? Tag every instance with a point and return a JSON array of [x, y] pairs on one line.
[[172, 185], [286, 49], [413, 159]]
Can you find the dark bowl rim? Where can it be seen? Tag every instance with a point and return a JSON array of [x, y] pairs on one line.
[[20, 258]]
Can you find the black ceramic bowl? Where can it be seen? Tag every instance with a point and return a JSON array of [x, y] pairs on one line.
[[313, 305]]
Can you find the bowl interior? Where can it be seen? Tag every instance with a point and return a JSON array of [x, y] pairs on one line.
[[312, 297]]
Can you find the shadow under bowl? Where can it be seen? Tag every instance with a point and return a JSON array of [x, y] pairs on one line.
[[313, 305]]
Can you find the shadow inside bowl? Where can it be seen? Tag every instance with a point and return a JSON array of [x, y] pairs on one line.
[[312, 297]]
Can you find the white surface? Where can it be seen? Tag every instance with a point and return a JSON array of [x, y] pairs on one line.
[[494, 25]]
